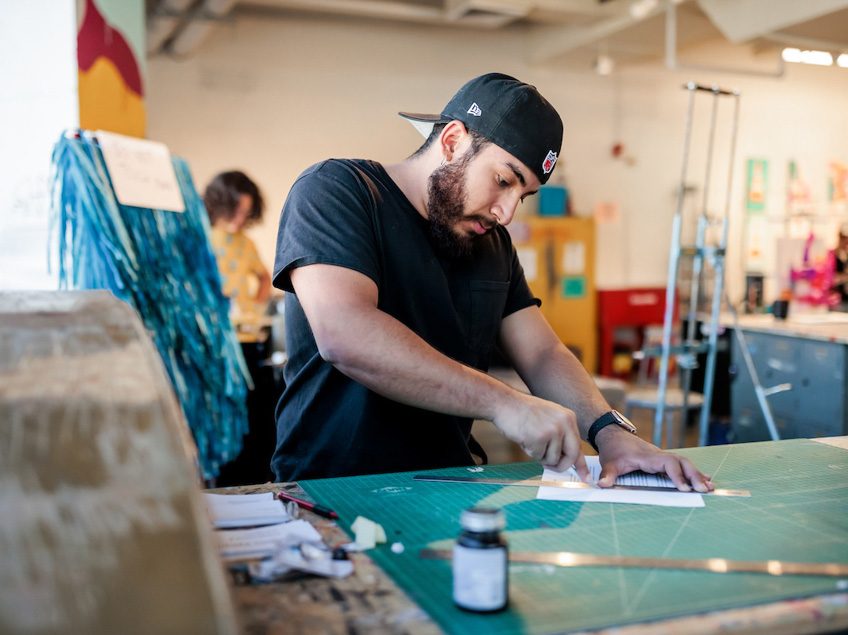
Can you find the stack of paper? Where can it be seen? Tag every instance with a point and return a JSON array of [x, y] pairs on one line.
[[245, 510], [261, 542], [274, 544]]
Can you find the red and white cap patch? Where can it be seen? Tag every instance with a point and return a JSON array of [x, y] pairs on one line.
[[549, 162]]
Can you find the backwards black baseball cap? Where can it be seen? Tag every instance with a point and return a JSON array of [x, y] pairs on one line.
[[507, 112]]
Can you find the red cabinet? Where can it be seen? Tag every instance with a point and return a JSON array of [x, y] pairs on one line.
[[621, 308]]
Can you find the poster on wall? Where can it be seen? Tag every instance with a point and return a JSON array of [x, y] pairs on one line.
[[607, 212], [755, 188], [110, 57], [755, 248], [838, 184], [799, 198]]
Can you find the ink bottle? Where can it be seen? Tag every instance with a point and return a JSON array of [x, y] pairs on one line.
[[480, 562]]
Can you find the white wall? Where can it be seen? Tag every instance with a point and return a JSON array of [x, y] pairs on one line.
[[274, 96], [38, 75]]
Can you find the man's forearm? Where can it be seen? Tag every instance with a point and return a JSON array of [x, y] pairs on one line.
[[548, 368], [383, 354], [373, 348], [557, 375]]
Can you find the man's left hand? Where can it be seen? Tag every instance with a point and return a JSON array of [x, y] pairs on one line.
[[622, 452]]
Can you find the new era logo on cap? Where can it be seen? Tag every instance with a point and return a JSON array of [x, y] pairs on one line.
[[549, 162], [518, 119]]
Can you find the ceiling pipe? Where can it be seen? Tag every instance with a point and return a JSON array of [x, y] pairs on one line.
[[201, 21], [165, 19], [482, 14]]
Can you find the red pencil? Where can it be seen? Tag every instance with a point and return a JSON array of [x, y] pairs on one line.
[[315, 508]]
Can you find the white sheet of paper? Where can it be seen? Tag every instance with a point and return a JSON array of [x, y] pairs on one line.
[[664, 499], [263, 541], [141, 172], [245, 510], [837, 442]]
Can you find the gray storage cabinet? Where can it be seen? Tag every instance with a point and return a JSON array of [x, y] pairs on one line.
[[817, 404]]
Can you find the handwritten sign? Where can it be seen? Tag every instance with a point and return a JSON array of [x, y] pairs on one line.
[[141, 172]]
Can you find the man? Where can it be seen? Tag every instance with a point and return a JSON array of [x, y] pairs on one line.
[[404, 279]]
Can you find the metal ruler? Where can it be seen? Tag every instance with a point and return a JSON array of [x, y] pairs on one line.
[[712, 565], [568, 484]]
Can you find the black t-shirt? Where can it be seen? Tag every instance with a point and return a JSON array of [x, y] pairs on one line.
[[350, 213]]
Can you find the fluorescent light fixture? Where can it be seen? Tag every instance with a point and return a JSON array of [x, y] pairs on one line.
[[842, 60], [819, 58]]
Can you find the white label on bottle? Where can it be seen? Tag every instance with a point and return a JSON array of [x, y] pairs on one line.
[[479, 578]]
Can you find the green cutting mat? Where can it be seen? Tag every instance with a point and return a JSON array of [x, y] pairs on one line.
[[798, 511]]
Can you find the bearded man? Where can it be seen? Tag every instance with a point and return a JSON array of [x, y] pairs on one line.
[[401, 281]]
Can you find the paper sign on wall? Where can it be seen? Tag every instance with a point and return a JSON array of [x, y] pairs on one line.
[[607, 212], [755, 185], [141, 172], [755, 252], [574, 258], [528, 259]]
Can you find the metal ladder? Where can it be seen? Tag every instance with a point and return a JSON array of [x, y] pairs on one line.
[[686, 352]]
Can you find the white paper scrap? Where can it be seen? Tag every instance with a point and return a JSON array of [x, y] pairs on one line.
[[367, 532], [245, 510], [598, 495]]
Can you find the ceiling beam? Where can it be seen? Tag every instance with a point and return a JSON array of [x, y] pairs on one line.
[[396, 10], [547, 43], [578, 7], [743, 20]]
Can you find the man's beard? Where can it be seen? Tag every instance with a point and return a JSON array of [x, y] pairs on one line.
[[446, 199]]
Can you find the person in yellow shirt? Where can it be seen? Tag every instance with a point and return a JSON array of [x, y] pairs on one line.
[[234, 202]]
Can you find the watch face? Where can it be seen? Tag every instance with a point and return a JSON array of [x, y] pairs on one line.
[[623, 421]]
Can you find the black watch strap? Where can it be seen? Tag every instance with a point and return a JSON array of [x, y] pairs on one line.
[[611, 417]]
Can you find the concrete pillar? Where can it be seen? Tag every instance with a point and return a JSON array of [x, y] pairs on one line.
[[63, 64]]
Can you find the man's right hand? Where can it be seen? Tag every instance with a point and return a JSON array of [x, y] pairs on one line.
[[545, 430]]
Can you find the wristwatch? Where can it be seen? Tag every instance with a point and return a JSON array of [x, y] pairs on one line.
[[613, 416]]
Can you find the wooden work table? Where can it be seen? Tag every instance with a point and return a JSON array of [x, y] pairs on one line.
[[369, 601], [104, 531], [366, 602]]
